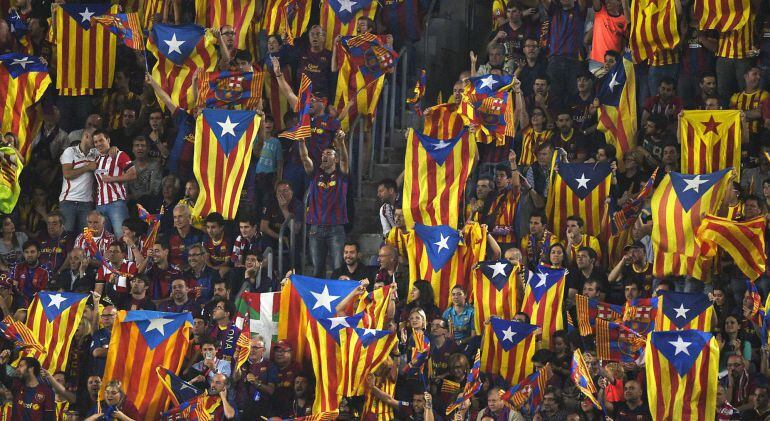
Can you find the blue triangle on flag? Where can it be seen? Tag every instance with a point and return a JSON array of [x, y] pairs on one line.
[[681, 307], [542, 279], [183, 391], [229, 126], [346, 9], [334, 325], [510, 332], [17, 25], [321, 296], [82, 13], [582, 179], [157, 326], [368, 336], [440, 243], [681, 347], [612, 85], [177, 42], [489, 84], [690, 188], [54, 303], [497, 271], [439, 149]]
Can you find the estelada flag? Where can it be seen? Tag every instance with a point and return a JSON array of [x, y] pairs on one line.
[[180, 51], [435, 175], [180, 390], [223, 143], [53, 318], [362, 351], [418, 93], [302, 129], [721, 16], [711, 141], [80, 45], [152, 339], [495, 291], [681, 369], [218, 13], [582, 190], [338, 17], [443, 121], [375, 307], [230, 90], [20, 335], [543, 298], [487, 101], [653, 27], [507, 347], [263, 312], [288, 17], [617, 106], [678, 206], [20, 32], [744, 241], [589, 309], [682, 311], [23, 81]]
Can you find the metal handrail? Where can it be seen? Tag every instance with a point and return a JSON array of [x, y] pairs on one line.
[[306, 200], [281, 232], [428, 18], [404, 81]]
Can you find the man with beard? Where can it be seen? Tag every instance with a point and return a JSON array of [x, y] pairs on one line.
[[180, 301], [284, 370], [32, 400], [353, 268], [387, 193], [315, 62], [137, 298]]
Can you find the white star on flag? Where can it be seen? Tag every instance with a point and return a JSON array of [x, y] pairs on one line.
[[614, 82], [543, 278], [227, 126], [347, 5], [681, 311], [338, 321], [174, 44], [56, 300], [694, 183], [442, 243], [498, 268], [324, 299], [23, 62], [488, 82], [440, 145], [680, 345], [508, 334], [368, 332], [583, 181], [86, 15], [158, 324]]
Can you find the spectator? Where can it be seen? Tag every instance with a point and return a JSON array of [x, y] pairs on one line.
[[160, 272], [218, 246], [115, 403], [32, 399], [148, 174], [77, 277], [248, 240], [565, 33], [30, 276], [353, 269], [112, 173], [184, 236], [10, 244], [203, 276], [387, 195], [137, 298], [55, 243]]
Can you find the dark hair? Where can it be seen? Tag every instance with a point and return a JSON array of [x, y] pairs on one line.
[[32, 363], [541, 215], [142, 278], [140, 138], [388, 183], [121, 245], [353, 243], [244, 55], [216, 218], [667, 80], [101, 132], [565, 257], [750, 68], [247, 217], [545, 77], [489, 179], [229, 306], [136, 225], [755, 198], [591, 252], [504, 168], [426, 293], [577, 219], [660, 121], [612, 53], [542, 356], [707, 74], [30, 243], [521, 313]]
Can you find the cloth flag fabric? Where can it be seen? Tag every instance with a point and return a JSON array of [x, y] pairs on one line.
[[744, 241], [582, 378], [302, 130], [223, 143], [18, 333], [653, 28], [231, 90], [180, 51], [681, 369], [289, 17], [711, 141], [589, 309], [543, 298], [19, 31], [615, 342], [338, 17], [80, 44], [443, 121], [263, 312], [53, 318], [678, 206], [488, 102], [180, 390], [362, 351], [154, 225], [23, 81], [682, 311], [218, 13], [722, 16], [472, 385], [375, 307], [418, 93], [640, 314], [507, 347], [495, 291], [528, 395], [582, 190], [435, 174], [10, 170], [625, 218], [125, 26], [617, 106]]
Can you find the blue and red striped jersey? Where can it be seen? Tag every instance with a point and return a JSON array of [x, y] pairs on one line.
[[696, 59], [327, 202], [565, 34]]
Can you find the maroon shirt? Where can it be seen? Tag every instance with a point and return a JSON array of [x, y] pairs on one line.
[[317, 67]]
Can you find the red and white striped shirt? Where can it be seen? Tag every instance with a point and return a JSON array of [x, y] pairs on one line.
[[108, 192], [102, 243]]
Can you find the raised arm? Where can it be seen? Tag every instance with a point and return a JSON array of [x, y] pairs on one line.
[[305, 157], [342, 150], [162, 95], [283, 86]]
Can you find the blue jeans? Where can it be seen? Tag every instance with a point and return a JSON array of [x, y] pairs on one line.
[[323, 240], [75, 214], [115, 212], [563, 70]]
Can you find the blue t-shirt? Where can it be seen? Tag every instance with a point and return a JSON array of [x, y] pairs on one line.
[[462, 323], [271, 154]]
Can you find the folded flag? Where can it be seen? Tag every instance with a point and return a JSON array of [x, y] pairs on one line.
[[527, 395], [582, 378], [744, 241]]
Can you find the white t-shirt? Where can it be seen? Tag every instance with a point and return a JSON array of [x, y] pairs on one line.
[[80, 188]]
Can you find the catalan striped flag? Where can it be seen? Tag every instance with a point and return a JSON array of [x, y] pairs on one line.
[[435, 174], [420, 355], [640, 314], [653, 28], [338, 17], [53, 318], [418, 93], [721, 16], [237, 343], [711, 141], [153, 339], [543, 299], [180, 51], [149, 9], [617, 106], [444, 257], [302, 129], [375, 307], [678, 207], [443, 121], [472, 385], [193, 410], [18, 333], [582, 190], [363, 61], [10, 169], [756, 300], [23, 81], [582, 378], [682, 311], [125, 26], [20, 33], [744, 241], [79, 45], [767, 155], [231, 90], [263, 312], [590, 309], [488, 103], [362, 352], [625, 217], [152, 234], [288, 17], [179, 390], [495, 291], [681, 369], [615, 342], [223, 143], [528, 395], [218, 13], [507, 347]]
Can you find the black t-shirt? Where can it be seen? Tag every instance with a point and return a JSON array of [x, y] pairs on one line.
[[623, 413]]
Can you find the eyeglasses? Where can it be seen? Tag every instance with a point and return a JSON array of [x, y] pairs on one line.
[[108, 315], [228, 33]]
